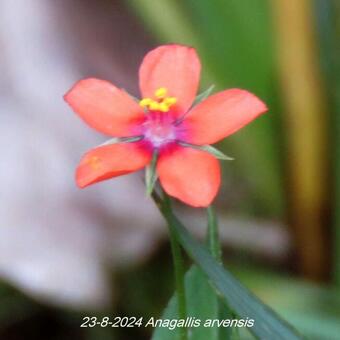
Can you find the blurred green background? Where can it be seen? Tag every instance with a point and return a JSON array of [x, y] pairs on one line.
[[279, 206]]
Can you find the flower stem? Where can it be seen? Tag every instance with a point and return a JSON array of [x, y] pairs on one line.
[[213, 236], [214, 244], [179, 272]]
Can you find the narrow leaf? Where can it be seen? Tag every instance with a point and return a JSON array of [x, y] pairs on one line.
[[204, 95], [208, 148], [202, 301], [267, 324], [122, 140]]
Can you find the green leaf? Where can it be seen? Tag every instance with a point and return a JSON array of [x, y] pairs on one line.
[[208, 148], [267, 324], [197, 100], [204, 95], [170, 312], [151, 174], [122, 140], [201, 303]]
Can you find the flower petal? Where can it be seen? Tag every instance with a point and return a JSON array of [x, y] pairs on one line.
[[105, 107], [191, 175], [175, 67], [221, 115], [110, 161]]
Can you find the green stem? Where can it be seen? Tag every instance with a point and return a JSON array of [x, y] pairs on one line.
[[179, 271], [239, 298], [215, 248], [213, 235]]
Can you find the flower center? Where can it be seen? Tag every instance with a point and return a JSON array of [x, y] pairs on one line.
[[162, 103], [159, 129]]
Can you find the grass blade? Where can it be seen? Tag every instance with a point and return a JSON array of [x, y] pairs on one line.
[[267, 325]]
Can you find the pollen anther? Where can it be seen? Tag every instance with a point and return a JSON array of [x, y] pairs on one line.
[[154, 106], [162, 102], [145, 102], [164, 107], [161, 92], [170, 101]]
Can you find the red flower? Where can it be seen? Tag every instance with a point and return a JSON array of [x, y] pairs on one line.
[[168, 80]]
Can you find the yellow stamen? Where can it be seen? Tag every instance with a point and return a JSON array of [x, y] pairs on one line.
[[163, 107], [145, 102], [161, 92], [170, 100], [154, 106], [162, 102]]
